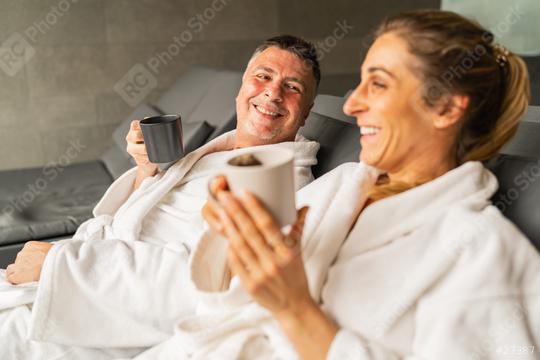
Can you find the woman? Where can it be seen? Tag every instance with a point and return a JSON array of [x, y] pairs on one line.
[[430, 269]]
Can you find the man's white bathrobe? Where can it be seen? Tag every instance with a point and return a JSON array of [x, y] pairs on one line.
[[436, 272], [122, 281]]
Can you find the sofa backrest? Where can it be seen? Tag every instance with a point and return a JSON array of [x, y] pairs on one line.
[[533, 65], [218, 105], [518, 172], [337, 133], [186, 93]]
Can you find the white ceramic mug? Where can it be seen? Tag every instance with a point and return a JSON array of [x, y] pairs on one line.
[[272, 182]]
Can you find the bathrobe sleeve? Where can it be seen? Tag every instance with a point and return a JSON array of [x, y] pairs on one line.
[[112, 294], [487, 306]]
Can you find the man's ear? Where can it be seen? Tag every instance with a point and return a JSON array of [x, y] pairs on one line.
[[308, 110], [450, 111]]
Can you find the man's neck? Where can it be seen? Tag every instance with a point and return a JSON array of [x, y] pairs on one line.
[[243, 142]]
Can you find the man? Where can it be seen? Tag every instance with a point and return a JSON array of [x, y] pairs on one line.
[[117, 278]]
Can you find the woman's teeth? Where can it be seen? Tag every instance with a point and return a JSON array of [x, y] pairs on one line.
[[266, 112], [368, 130]]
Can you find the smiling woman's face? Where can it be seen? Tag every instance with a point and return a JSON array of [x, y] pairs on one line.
[[397, 128]]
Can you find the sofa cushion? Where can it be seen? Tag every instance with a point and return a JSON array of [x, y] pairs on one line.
[[44, 202]]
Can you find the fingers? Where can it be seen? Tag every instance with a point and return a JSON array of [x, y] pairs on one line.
[[294, 237], [135, 134], [210, 214], [41, 246], [137, 149], [264, 221], [238, 268], [217, 184], [244, 252], [248, 234], [9, 272], [19, 254], [211, 208], [34, 244]]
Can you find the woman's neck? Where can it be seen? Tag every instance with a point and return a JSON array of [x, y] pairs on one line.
[[420, 171]]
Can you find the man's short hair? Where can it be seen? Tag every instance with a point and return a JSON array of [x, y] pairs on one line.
[[303, 49]]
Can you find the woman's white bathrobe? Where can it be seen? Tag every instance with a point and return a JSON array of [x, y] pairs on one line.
[[433, 273], [107, 289]]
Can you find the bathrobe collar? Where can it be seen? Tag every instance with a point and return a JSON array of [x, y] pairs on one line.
[[470, 184], [128, 219]]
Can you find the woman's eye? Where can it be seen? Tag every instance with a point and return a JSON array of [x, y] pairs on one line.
[[379, 85]]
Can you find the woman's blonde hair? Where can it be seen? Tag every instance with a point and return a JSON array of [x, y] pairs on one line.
[[458, 57]]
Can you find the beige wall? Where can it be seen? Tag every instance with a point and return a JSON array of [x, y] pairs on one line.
[[79, 49]]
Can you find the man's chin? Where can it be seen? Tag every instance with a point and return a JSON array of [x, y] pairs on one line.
[[262, 132]]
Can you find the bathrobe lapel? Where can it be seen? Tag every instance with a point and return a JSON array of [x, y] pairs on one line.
[[128, 219], [128, 216], [469, 186], [391, 218]]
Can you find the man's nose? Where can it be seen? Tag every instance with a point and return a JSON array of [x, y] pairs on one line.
[[273, 92]]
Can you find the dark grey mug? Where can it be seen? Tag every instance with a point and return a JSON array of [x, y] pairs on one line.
[[163, 138]]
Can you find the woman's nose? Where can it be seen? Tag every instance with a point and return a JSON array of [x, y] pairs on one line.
[[354, 103]]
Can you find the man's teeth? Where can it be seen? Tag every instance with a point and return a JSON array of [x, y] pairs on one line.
[[266, 112], [368, 130]]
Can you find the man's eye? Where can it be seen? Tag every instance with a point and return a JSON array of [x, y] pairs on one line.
[[263, 76], [293, 88]]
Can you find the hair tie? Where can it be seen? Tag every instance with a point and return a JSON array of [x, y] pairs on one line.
[[501, 54]]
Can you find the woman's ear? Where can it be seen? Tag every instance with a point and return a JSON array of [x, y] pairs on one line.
[[451, 111]]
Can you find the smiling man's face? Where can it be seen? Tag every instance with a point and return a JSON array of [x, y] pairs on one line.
[[275, 98]]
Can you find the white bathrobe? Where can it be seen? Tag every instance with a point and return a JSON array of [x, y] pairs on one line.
[[436, 272], [117, 285], [433, 273]]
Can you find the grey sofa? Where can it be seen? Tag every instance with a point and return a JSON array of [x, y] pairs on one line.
[[50, 203]]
